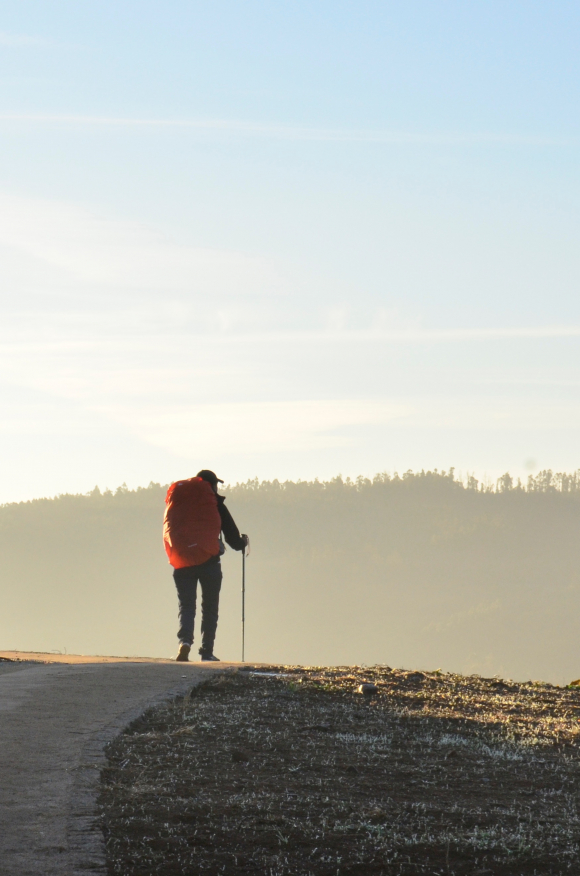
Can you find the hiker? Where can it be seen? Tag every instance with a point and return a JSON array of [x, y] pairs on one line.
[[195, 517]]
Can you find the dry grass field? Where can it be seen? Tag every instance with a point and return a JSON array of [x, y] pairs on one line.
[[299, 773]]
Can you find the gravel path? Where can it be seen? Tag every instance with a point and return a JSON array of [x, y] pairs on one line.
[[55, 720]]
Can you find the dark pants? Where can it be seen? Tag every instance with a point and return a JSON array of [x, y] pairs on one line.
[[209, 576]]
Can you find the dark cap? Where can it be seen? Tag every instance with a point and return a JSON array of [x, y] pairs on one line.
[[209, 476]]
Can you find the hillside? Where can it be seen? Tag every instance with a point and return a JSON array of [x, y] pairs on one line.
[[419, 570]]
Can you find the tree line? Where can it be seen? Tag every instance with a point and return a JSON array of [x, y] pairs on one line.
[[423, 569]]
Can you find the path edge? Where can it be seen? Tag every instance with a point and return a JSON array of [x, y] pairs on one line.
[[86, 843]]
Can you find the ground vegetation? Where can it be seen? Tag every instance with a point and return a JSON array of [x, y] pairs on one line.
[[300, 773]]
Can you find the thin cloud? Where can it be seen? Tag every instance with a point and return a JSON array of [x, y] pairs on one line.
[[54, 245], [144, 327], [191, 430], [468, 334], [286, 132], [16, 40], [402, 336]]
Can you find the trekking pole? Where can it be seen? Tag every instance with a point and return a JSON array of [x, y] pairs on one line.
[[243, 605], [247, 546]]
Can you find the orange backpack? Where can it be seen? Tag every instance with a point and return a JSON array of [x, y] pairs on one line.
[[192, 523]]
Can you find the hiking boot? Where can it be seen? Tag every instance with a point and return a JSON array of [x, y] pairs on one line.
[[183, 653], [206, 656]]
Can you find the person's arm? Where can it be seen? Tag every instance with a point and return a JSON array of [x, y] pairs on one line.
[[231, 531]]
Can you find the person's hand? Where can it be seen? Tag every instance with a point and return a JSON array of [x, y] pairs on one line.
[[246, 539]]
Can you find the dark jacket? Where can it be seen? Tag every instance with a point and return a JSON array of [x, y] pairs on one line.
[[229, 528]]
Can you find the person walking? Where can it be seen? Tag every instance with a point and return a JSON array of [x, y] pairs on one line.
[[195, 518]]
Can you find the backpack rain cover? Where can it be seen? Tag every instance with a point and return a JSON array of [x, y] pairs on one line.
[[192, 523]]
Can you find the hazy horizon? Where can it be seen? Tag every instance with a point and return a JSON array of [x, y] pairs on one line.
[[484, 483], [418, 571]]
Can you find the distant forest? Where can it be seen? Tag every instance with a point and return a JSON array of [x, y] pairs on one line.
[[419, 570]]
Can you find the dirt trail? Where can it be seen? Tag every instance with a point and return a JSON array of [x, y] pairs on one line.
[[55, 719], [57, 657]]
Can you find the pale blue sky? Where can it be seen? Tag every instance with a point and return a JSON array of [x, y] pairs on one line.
[[287, 239]]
